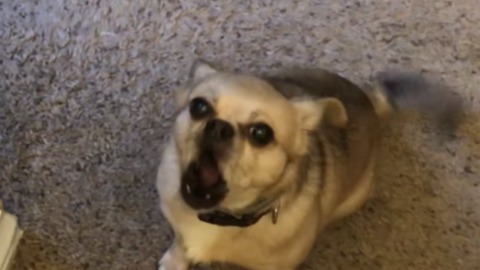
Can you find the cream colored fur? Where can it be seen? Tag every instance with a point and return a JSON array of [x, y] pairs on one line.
[[252, 172]]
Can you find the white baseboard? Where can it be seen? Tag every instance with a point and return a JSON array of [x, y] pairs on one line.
[[10, 235]]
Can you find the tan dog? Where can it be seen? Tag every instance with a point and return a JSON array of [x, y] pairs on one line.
[[257, 167]]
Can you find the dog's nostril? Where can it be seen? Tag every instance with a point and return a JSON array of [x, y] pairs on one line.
[[226, 132], [219, 129]]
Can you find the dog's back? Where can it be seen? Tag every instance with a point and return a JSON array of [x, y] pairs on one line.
[[352, 149], [346, 153]]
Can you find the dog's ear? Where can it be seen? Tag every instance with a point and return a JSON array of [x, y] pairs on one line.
[[311, 113], [181, 97], [201, 69]]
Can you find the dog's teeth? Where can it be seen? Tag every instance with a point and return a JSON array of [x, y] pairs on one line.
[[208, 196], [189, 191]]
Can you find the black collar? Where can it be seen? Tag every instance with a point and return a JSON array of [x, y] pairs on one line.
[[244, 218], [221, 218]]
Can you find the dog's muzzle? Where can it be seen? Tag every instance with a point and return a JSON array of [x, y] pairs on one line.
[[203, 186]]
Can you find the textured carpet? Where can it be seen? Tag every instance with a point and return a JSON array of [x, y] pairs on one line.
[[85, 106]]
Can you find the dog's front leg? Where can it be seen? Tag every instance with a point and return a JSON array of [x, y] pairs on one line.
[[174, 258]]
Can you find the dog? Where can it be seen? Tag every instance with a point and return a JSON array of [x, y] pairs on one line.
[[257, 166]]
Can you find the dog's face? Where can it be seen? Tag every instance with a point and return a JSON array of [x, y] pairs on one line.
[[239, 140]]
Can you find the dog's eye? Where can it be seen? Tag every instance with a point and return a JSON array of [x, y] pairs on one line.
[[199, 108], [260, 134]]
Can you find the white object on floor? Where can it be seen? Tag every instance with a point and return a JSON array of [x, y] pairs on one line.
[[10, 235]]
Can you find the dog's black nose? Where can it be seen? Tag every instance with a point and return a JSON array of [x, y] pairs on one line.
[[219, 130]]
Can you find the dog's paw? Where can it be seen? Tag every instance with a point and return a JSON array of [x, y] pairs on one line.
[[172, 261]]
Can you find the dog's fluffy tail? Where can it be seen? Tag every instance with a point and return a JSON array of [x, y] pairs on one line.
[[401, 91]]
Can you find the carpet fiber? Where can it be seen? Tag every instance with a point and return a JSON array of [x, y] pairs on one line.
[[85, 106]]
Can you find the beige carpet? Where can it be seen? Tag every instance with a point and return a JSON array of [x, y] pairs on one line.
[[85, 104]]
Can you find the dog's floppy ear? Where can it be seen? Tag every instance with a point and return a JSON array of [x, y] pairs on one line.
[[311, 113], [199, 70]]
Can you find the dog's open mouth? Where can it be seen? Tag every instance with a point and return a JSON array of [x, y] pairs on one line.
[[203, 186], [207, 170]]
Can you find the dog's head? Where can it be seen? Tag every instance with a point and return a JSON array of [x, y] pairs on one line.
[[239, 140]]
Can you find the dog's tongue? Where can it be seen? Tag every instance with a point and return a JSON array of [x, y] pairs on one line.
[[209, 174]]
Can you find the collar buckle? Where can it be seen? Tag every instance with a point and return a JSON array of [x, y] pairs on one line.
[[275, 212]]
